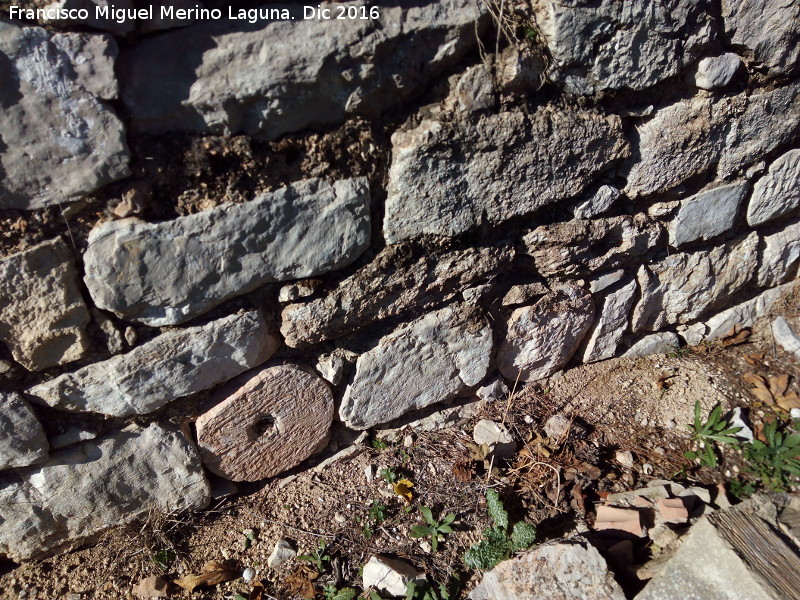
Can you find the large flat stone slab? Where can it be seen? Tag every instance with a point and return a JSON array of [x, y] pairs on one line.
[[780, 256], [433, 359], [22, 439], [690, 137], [42, 314], [708, 214], [83, 490], [543, 337], [167, 273], [59, 140], [612, 45], [447, 178], [398, 280], [174, 364], [612, 322], [265, 423], [273, 77]]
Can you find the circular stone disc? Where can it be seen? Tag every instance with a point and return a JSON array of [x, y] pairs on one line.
[[271, 423]]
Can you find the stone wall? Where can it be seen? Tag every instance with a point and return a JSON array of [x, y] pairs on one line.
[[428, 213]]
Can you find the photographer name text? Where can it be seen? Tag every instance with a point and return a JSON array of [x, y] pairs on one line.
[[170, 13]]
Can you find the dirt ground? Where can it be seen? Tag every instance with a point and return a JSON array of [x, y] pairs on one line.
[[640, 405]]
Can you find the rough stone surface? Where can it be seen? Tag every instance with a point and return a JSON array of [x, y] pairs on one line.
[[610, 45], [778, 192], [389, 575], [689, 137], [265, 423], [735, 554], [398, 280], [780, 256], [520, 68], [433, 359], [447, 178], [83, 490], [167, 273], [60, 141], [42, 314], [657, 343], [524, 293], [584, 247], [542, 338], [770, 29], [612, 321], [22, 439], [495, 389], [598, 203], [275, 77], [175, 364], [716, 71], [708, 214], [785, 337], [563, 570], [687, 286], [475, 89], [557, 427]]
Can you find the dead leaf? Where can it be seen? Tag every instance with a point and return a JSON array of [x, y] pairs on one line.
[[578, 498], [257, 593], [755, 359], [774, 391], [734, 338], [477, 452], [212, 573], [300, 582], [778, 384], [464, 470]]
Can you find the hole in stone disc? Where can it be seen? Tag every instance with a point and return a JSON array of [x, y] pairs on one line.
[[265, 425]]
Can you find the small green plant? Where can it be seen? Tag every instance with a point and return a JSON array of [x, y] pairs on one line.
[[426, 591], [249, 538], [318, 557], [164, 558], [375, 516], [497, 545], [777, 462], [379, 444], [434, 528], [389, 475], [716, 430], [333, 593]]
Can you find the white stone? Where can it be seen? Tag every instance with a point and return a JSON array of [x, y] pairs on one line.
[[598, 203], [282, 553], [611, 324], [557, 426], [742, 315], [708, 214], [175, 364], [560, 570], [689, 137], [331, 367], [778, 192], [475, 89], [83, 490], [22, 439], [542, 338], [716, 71], [167, 273], [657, 343], [60, 141], [496, 436], [43, 317], [496, 389], [685, 287], [780, 256], [389, 575], [438, 357], [785, 337]]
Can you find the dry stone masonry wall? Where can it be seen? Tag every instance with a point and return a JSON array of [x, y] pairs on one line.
[[621, 180]]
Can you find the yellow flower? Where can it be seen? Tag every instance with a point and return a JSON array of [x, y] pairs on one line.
[[403, 488]]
